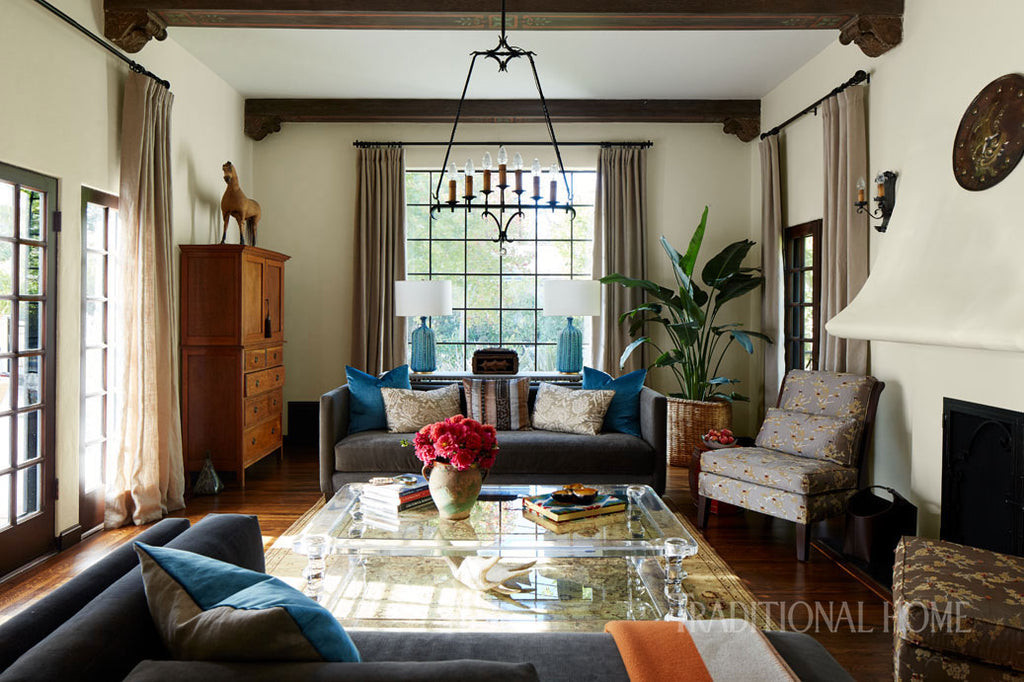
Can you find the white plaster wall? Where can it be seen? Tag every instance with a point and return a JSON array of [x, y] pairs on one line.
[[306, 178], [948, 270], [60, 114]]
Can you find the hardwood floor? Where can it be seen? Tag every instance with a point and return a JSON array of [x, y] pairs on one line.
[[761, 551]]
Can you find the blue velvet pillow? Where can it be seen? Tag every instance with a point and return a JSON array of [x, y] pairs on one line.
[[623, 414], [210, 610], [366, 404]]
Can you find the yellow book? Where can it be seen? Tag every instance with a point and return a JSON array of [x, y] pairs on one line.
[[577, 526], [544, 505]]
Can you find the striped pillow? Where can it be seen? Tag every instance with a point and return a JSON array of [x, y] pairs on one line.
[[501, 403]]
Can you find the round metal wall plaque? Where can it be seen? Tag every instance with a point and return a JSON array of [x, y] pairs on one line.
[[990, 140]]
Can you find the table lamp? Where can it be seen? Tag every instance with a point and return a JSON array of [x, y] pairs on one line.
[[571, 298], [423, 298]]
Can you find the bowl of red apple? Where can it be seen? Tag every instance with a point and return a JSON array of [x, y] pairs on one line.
[[718, 438]]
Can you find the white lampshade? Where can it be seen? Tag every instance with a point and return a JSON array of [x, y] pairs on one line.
[[424, 298], [572, 297]]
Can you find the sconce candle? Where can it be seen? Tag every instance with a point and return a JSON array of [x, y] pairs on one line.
[[451, 183], [517, 164], [502, 167], [536, 179], [470, 171], [861, 187], [487, 172], [553, 173]]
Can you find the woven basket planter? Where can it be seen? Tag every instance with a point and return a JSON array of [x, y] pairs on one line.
[[688, 420]]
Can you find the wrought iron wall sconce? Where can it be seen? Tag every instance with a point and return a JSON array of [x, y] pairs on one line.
[[885, 198]]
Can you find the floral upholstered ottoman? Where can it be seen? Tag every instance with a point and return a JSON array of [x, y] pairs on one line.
[[959, 612]]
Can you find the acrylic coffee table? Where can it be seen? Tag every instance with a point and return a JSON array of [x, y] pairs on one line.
[[610, 568]]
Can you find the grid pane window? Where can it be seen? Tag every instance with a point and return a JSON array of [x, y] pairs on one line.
[[802, 277], [99, 412], [23, 298], [497, 297]]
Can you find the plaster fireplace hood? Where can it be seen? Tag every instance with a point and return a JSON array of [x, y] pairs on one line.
[[952, 276]]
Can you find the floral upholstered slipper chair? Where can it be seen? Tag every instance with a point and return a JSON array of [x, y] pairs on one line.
[[808, 455]]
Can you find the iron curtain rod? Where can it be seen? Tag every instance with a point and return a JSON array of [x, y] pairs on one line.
[[856, 79], [133, 65], [363, 144]]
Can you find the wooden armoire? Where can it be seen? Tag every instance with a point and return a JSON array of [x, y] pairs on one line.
[[232, 355]]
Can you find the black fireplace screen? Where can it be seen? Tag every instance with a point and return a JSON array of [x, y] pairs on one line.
[[983, 477]]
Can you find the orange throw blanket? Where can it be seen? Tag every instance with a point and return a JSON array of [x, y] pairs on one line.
[[655, 651]]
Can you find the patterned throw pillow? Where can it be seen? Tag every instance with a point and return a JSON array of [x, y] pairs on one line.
[[569, 410], [810, 435], [209, 610], [409, 411], [502, 403]]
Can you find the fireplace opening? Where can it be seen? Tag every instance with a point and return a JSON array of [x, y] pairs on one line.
[[982, 476]]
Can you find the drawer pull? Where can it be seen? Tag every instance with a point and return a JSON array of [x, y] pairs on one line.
[[254, 441], [257, 383], [273, 430], [255, 409], [277, 377], [275, 402]]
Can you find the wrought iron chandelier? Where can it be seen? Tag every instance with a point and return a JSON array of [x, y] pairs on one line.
[[506, 208]]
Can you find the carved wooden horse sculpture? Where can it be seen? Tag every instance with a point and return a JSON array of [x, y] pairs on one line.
[[242, 208]]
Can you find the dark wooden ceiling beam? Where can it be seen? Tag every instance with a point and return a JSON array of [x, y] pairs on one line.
[[131, 22], [264, 116]]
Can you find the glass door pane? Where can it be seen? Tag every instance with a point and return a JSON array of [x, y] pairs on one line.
[[26, 367]]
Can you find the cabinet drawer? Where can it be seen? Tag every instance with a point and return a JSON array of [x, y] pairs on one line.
[[255, 359], [260, 439], [262, 407], [275, 356], [261, 382]]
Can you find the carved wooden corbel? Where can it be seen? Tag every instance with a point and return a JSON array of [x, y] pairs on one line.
[[744, 128], [875, 34], [131, 29], [258, 126]]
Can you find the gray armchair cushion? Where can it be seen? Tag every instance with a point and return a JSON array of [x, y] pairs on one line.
[[811, 435], [778, 470]]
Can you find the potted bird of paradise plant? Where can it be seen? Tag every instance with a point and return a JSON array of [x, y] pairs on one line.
[[697, 341]]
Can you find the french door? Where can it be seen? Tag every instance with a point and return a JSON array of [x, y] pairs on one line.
[[100, 356], [28, 275]]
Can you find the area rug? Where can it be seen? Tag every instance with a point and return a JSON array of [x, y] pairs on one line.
[[564, 594]]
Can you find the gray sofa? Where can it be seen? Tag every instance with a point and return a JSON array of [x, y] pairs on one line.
[[538, 457], [98, 627]]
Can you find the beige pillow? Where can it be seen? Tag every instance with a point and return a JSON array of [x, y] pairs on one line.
[[815, 436], [569, 410], [409, 411]]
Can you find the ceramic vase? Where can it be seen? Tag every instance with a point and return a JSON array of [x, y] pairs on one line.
[[454, 492]]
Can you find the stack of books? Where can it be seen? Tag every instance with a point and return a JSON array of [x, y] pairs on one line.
[[381, 504], [562, 518]]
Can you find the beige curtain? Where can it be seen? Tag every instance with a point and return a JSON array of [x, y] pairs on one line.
[[378, 337], [771, 266], [146, 477], [620, 239], [844, 231]]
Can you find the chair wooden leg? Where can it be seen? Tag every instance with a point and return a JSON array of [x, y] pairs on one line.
[[803, 541], [703, 511]]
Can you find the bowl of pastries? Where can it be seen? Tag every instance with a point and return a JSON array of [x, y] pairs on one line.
[[574, 493]]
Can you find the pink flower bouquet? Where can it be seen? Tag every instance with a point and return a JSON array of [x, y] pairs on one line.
[[460, 442]]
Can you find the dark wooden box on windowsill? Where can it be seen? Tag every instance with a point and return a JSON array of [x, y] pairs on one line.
[[495, 361]]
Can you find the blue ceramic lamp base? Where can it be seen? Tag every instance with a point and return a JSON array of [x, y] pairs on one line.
[[570, 349], [424, 354]]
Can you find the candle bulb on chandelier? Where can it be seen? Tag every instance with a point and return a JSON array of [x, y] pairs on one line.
[[451, 183], [553, 173], [502, 167], [487, 172], [536, 178], [861, 187], [470, 171], [517, 165]]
